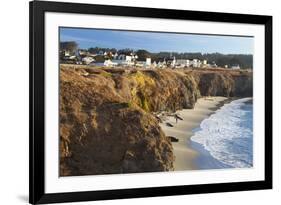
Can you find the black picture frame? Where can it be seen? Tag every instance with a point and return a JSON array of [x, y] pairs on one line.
[[37, 9]]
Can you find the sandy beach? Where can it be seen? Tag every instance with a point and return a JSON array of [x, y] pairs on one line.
[[182, 129]]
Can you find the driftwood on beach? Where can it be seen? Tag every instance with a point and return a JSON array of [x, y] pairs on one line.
[[173, 139], [169, 124]]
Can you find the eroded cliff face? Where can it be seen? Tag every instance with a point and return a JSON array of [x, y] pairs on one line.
[[103, 133], [225, 83], [106, 125], [159, 90]]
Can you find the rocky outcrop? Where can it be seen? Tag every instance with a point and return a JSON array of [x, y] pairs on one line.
[[106, 125], [160, 90], [101, 133], [225, 83]]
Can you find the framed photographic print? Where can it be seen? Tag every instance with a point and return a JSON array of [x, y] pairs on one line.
[[140, 102]]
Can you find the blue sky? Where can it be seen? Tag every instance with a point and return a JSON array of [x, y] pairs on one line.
[[155, 42]]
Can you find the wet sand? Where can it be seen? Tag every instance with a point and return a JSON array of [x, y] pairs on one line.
[[182, 129]]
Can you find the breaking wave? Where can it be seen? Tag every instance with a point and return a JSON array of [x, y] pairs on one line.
[[228, 134]]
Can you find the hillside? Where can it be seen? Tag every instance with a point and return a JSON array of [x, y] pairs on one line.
[[106, 115]]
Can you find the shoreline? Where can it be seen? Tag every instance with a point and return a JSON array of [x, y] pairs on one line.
[[182, 130]]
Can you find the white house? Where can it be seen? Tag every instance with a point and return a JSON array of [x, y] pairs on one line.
[[148, 62], [183, 62], [162, 64], [195, 63], [123, 60], [66, 53], [159, 64], [72, 57], [170, 61], [154, 64], [109, 63], [87, 60], [214, 65], [173, 64], [235, 67], [115, 55]]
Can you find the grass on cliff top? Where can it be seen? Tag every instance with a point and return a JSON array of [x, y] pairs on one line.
[[106, 74]]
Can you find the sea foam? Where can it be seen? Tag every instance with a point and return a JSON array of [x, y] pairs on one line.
[[228, 134]]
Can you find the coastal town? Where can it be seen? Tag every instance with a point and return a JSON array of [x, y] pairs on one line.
[[132, 60], [136, 102]]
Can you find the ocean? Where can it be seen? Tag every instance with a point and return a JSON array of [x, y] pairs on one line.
[[225, 139]]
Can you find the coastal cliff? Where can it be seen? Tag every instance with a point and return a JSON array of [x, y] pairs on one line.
[[107, 124]]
